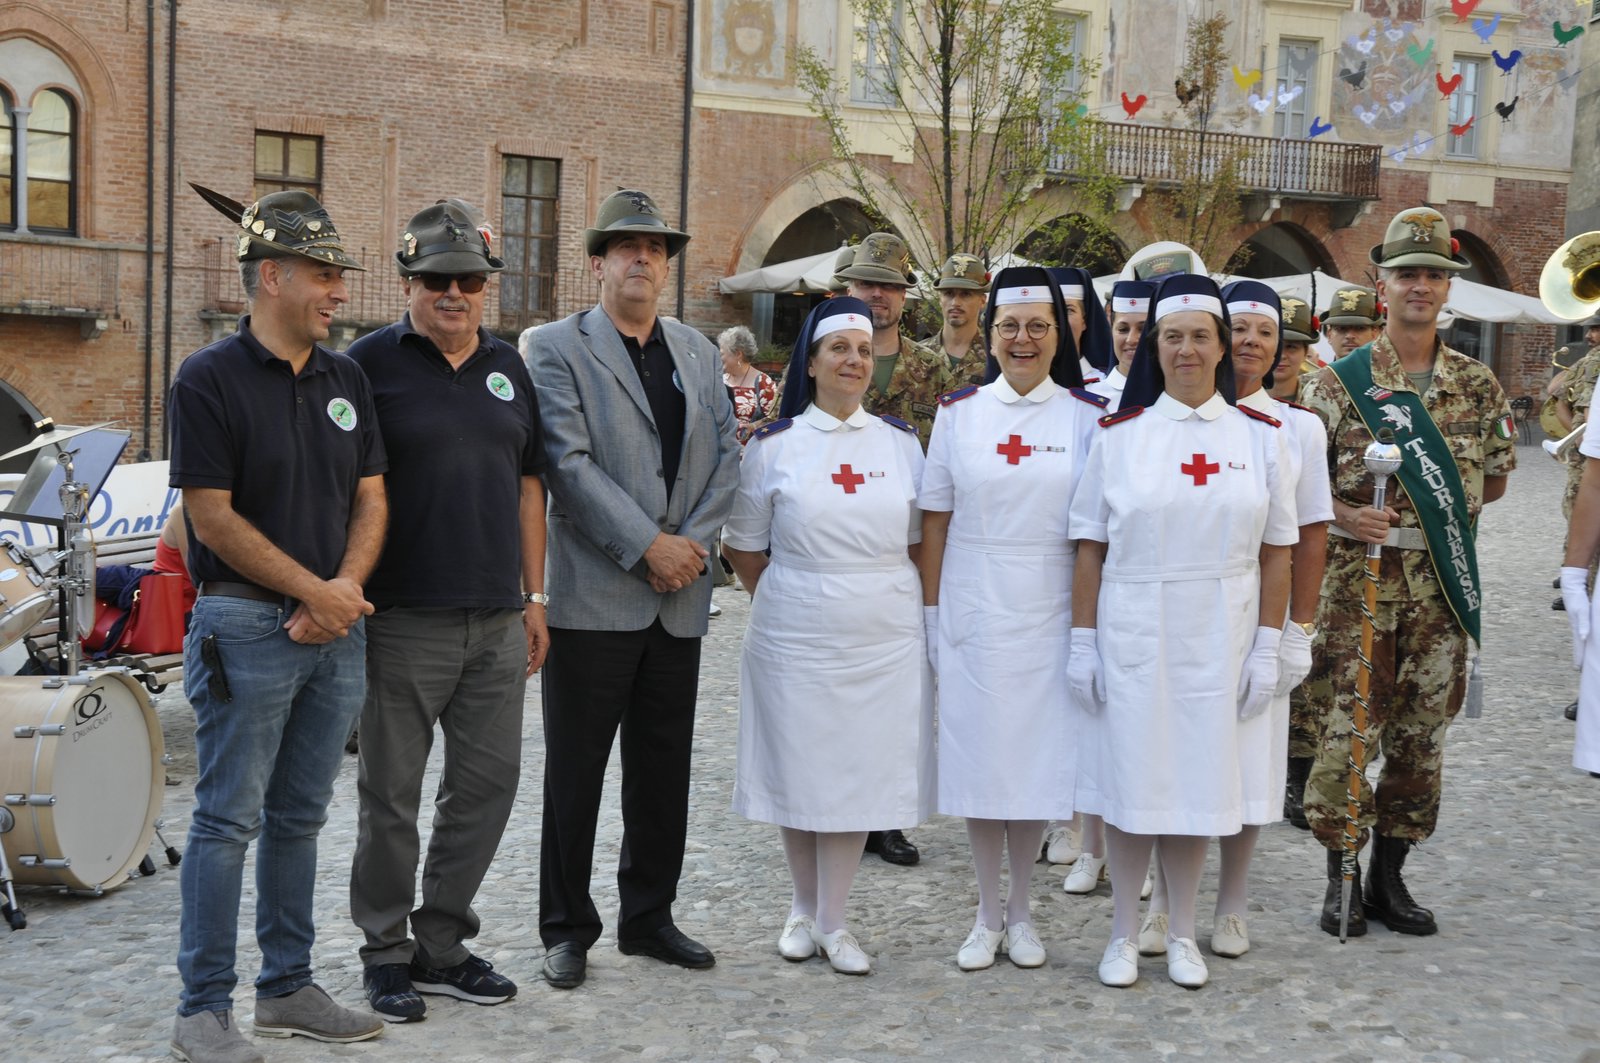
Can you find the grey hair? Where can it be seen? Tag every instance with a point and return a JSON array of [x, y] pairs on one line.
[[250, 273], [740, 340]]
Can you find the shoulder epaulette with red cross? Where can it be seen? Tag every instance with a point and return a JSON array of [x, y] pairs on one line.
[[1127, 413], [904, 426], [951, 397], [1297, 406], [1090, 397], [773, 429], [1264, 418]]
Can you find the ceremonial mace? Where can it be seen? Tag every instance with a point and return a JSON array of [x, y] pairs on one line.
[[1383, 459]]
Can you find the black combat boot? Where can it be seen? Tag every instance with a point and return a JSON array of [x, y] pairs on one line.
[[1330, 904], [1294, 792], [1387, 899]]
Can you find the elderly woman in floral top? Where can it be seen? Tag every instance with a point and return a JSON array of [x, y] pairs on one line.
[[754, 393]]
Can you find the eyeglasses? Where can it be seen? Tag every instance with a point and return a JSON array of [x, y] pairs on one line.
[[1037, 330], [469, 283]]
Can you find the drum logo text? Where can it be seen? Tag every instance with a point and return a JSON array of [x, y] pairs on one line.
[[90, 713]]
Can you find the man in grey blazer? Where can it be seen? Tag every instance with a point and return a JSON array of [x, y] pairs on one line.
[[642, 467]]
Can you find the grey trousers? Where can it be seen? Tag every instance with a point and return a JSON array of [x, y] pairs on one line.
[[464, 670]]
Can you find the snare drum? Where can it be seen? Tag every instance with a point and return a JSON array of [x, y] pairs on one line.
[[80, 770], [23, 599]]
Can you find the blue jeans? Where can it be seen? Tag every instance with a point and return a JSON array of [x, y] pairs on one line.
[[267, 761]]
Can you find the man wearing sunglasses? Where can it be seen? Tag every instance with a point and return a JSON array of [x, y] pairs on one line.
[[460, 623]]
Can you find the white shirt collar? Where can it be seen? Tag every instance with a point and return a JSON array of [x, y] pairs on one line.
[[1208, 410], [821, 420], [1261, 401], [1115, 379], [1042, 391]]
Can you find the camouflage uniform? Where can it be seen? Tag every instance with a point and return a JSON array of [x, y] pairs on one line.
[[968, 370], [1579, 392], [920, 377], [1419, 651]]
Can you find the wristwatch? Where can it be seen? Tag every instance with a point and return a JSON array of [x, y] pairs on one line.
[[1309, 629], [536, 598]]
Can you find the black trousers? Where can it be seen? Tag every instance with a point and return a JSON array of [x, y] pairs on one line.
[[595, 683]]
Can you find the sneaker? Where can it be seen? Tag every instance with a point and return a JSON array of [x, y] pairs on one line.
[[472, 979], [310, 1012], [391, 994], [211, 1037], [1085, 874], [1061, 844], [1153, 935], [1229, 937], [977, 952], [1024, 946]]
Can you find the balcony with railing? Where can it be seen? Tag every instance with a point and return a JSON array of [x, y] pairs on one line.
[[1159, 155], [44, 277]]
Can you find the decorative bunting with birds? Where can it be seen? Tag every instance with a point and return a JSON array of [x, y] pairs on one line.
[[1485, 28], [1447, 85], [1420, 56], [1506, 62], [1132, 106], [1245, 80], [1566, 35], [1464, 8], [1504, 109], [1318, 128]]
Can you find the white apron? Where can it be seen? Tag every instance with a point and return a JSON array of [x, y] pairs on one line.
[[1004, 466], [1184, 506], [835, 700]]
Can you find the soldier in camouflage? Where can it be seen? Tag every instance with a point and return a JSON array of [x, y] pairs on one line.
[[1572, 406], [907, 377], [1352, 319], [1419, 649], [963, 286]]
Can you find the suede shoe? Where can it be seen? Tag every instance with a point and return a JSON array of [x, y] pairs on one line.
[[1230, 937], [391, 994], [211, 1037], [669, 945], [310, 1012], [472, 980], [566, 964]]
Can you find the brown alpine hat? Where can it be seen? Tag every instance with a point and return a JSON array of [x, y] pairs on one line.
[[1353, 305], [881, 258], [628, 211], [290, 223], [1300, 325], [1419, 237], [962, 270], [444, 238]]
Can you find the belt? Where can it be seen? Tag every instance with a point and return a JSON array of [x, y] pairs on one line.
[[1403, 538], [230, 589]]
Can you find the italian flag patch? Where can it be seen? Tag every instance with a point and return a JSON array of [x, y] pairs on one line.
[[1505, 427]]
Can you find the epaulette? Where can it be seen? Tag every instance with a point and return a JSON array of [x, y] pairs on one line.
[[904, 426], [1090, 397], [958, 394], [1265, 418], [772, 429], [1091, 380], [1127, 413], [1297, 406]]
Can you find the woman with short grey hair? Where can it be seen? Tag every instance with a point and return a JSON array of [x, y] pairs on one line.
[[754, 393]]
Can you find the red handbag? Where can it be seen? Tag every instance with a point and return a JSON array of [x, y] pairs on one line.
[[155, 623]]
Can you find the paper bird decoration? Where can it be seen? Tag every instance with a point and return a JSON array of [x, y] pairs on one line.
[[1244, 80], [1132, 106], [1368, 117], [1286, 95], [1463, 8], [1317, 128], [1355, 77], [1259, 104], [1448, 85], [1506, 62], [1395, 34], [1186, 91], [1364, 45], [1396, 106], [1504, 109], [1461, 130], [1565, 35], [1420, 56], [1485, 29]]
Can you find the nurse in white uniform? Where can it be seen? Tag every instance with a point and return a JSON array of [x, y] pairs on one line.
[[835, 698], [1583, 540], [1086, 320], [1178, 600], [1003, 461], [1257, 349]]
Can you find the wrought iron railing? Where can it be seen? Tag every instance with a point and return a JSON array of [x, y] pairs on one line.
[[58, 278]]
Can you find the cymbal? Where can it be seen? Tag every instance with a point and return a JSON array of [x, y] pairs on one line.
[[55, 435]]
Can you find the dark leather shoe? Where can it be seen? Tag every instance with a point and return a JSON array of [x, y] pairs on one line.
[[1559, 605], [566, 964], [1571, 711], [893, 846], [669, 945]]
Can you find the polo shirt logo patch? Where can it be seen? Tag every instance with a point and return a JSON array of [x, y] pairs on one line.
[[341, 413], [500, 387]]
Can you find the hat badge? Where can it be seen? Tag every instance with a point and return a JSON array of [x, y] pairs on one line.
[[411, 245], [1421, 225], [1350, 300], [879, 251]]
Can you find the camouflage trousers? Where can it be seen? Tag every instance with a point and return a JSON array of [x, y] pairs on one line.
[[1419, 657], [1310, 703]]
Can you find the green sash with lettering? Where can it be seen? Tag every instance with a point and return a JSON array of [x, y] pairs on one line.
[[1430, 477]]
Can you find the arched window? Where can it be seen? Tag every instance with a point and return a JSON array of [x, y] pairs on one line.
[[51, 163], [7, 215]]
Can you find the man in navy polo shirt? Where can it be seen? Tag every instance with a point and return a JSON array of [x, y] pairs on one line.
[[460, 616], [275, 446]]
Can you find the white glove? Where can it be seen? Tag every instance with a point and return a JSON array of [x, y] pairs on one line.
[[930, 626], [1086, 676], [1294, 657], [1575, 596], [1259, 680]]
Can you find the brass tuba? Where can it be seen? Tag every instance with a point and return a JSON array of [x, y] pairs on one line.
[[1547, 413], [1569, 284]]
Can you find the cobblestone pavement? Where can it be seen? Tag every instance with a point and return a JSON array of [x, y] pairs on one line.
[[1512, 974]]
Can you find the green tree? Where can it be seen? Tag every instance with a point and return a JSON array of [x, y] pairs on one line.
[[984, 97]]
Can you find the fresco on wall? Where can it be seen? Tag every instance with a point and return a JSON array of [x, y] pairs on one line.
[[750, 40]]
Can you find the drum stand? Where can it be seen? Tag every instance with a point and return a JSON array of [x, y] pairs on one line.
[[14, 915]]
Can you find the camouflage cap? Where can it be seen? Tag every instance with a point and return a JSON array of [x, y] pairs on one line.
[[289, 223], [1419, 237], [880, 258], [1300, 325], [1353, 305], [445, 238], [627, 211], [962, 270]]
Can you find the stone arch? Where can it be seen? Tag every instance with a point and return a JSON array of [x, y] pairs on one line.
[[1061, 200], [807, 190], [1059, 241], [1282, 248]]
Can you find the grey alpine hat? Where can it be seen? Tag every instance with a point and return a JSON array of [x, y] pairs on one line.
[[1419, 237], [962, 270], [445, 238], [628, 211], [880, 258], [1353, 304]]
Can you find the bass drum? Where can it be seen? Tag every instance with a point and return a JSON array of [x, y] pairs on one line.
[[80, 771]]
